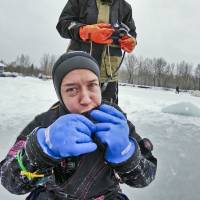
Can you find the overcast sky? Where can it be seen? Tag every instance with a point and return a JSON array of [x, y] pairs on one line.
[[166, 28]]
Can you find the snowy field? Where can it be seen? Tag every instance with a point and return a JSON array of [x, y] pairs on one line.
[[176, 137]]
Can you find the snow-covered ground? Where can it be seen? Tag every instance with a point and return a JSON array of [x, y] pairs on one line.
[[176, 137]]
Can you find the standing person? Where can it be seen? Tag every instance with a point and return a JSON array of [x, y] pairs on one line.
[[102, 28], [177, 90], [80, 149]]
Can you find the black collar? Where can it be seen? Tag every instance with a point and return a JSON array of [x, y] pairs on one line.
[[108, 2]]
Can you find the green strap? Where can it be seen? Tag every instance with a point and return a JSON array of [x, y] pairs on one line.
[[24, 171], [19, 158]]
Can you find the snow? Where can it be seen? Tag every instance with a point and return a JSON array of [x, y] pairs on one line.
[[2, 65], [183, 108], [160, 115], [195, 93]]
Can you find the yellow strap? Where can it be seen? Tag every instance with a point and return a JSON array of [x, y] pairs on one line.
[[109, 63], [31, 175], [104, 12]]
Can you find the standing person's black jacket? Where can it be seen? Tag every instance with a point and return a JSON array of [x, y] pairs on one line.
[[77, 13], [85, 177]]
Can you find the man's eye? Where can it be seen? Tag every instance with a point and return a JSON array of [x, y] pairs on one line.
[[92, 85], [72, 91]]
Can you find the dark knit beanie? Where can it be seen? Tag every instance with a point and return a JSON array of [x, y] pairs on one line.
[[69, 62]]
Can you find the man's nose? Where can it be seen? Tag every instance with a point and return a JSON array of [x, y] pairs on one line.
[[85, 97]]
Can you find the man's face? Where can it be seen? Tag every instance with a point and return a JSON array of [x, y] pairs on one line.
[[80, 91]]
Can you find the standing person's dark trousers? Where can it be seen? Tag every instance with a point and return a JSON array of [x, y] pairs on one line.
[[110, 92]]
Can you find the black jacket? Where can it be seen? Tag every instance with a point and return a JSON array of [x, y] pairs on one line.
[[77, 13], [84, 177]]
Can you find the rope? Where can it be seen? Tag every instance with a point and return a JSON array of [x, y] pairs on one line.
[[24, 171]]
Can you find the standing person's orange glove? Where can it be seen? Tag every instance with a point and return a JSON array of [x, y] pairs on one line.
[[98, 33], [127, 43]]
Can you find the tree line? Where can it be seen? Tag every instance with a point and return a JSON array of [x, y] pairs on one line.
[[23, 65], [135, 70], [158, 72]]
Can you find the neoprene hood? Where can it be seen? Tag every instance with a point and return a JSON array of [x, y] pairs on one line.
[[69, 62]]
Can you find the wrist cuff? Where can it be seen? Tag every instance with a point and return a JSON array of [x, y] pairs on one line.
[[130, 163], [35, 153]]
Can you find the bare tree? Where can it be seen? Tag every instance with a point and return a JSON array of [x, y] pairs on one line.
[[159, 69], [139, 70], [184, 75], [131, 64], [46, 63], [148, 72], [197, 75], [144, 71], [23, 61]]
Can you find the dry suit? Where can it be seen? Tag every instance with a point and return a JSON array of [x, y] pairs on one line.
[[86, 177]]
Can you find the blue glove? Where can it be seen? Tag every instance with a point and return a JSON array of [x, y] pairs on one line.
[[69, 135], [113, 131]]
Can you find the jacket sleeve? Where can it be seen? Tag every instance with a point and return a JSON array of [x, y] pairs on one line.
[[11, 177], [127, 18], [68, 24], [140, 170]]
